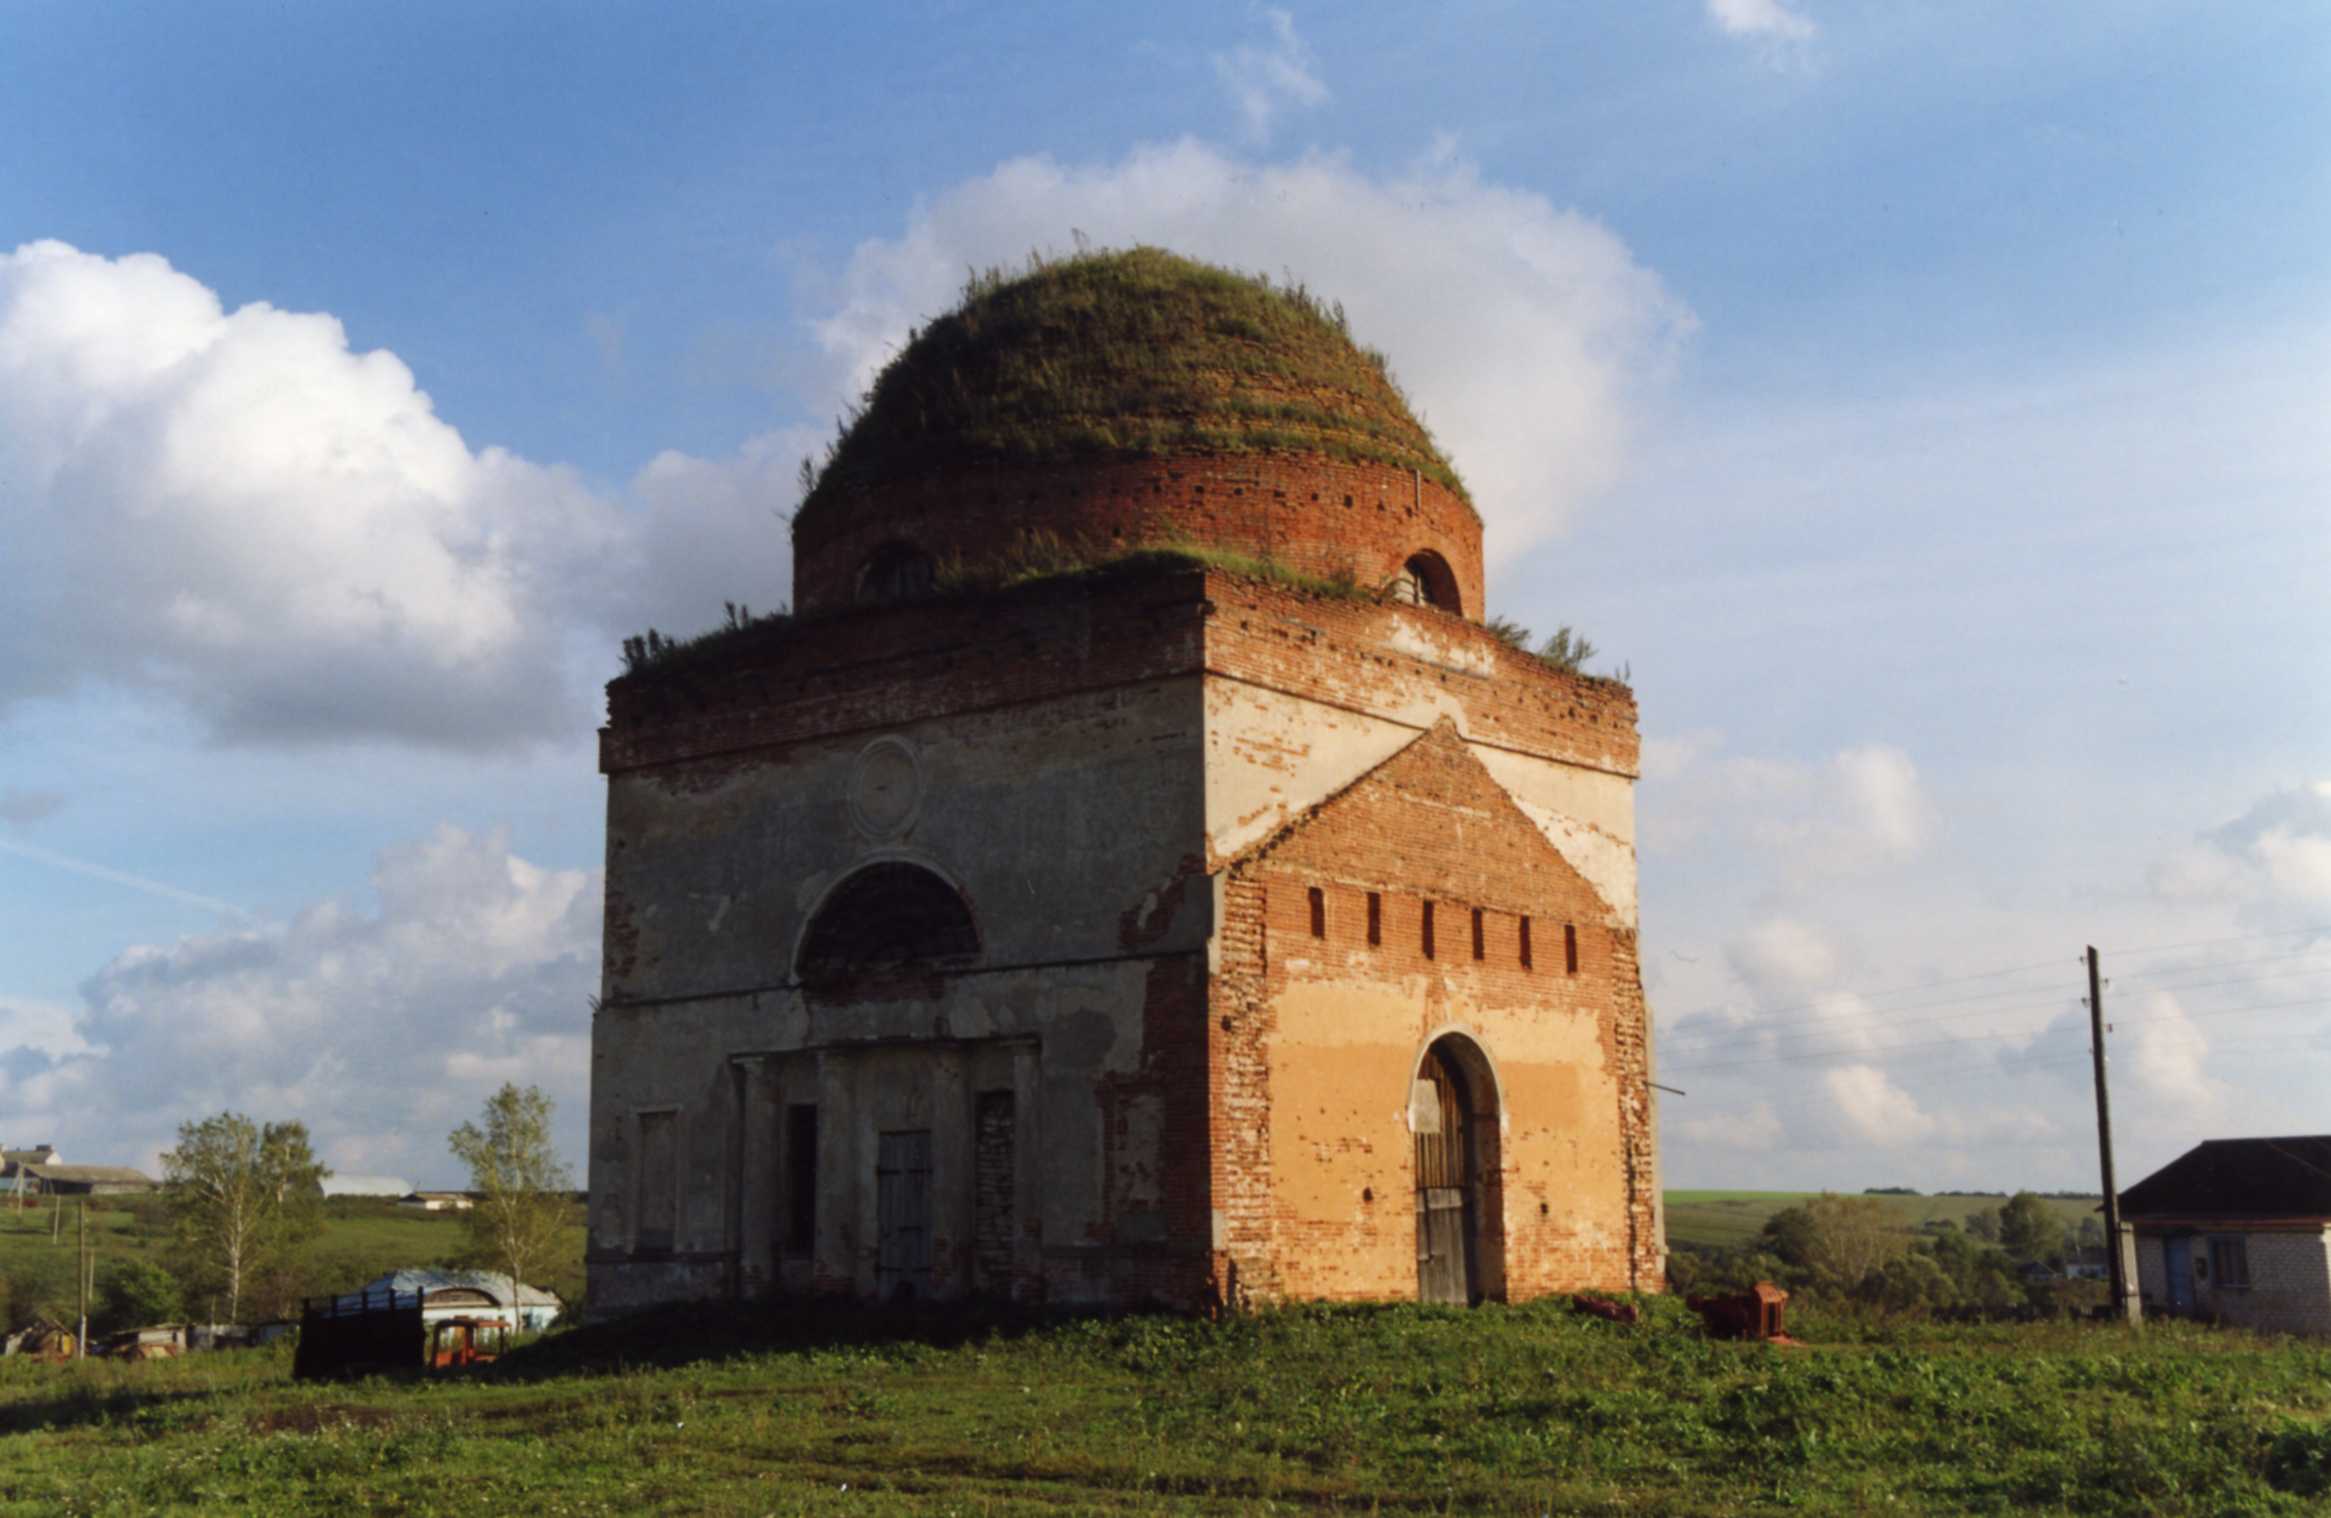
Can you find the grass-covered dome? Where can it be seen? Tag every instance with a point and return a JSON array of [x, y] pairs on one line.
[[1134, 353]]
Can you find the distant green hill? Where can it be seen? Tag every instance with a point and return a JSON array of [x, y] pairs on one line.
[[1715, 1218]]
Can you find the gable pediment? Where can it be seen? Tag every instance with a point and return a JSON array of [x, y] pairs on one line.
[[1431, 818]]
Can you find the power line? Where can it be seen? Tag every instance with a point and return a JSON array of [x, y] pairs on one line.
[[1753, 1035], [1886, 1051], [2203, 943], [1895, 991], [2220, 964], [1782, 1029]]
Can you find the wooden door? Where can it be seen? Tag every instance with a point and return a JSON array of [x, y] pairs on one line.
[[1444, 1185], [902, 1199]]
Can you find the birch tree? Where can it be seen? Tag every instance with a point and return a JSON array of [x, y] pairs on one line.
[[520, 1182], [242, 1197]]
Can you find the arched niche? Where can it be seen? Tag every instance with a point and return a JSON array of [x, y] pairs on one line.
[[1427, 580], [883, 919], [897, 571]]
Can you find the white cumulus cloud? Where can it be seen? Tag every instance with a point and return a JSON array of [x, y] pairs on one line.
[[1871, 1109], [379, 1027], [1859, 810], [277, 531], [2272, 863], [1885, 807], [2168, 1056]]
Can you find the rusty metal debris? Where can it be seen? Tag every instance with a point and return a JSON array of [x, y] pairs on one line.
[[1754, 1314]]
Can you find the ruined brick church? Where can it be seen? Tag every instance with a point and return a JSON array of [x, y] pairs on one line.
[[1133, 872]]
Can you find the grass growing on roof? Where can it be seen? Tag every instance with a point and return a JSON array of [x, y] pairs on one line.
[[1131, 352]]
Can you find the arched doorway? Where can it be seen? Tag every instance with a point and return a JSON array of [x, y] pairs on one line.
[[1460, 1255]]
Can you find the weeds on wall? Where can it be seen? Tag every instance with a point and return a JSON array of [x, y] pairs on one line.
[[1038, 554], [652, 649], [1567, 650]]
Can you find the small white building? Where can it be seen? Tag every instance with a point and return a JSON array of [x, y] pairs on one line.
[[487, 1294], [2238, 1231], [438, 1201]]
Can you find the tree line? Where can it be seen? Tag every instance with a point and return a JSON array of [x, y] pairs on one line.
[[242, 1203], [1854, 1250]]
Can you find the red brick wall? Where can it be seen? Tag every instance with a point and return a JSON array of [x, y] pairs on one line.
[[1313, 1173], [882, 667], [1310, 513], [1337, 652]]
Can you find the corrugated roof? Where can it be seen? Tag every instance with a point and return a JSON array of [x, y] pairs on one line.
[[493, 1283], [86, 1173], [2251, 1178]]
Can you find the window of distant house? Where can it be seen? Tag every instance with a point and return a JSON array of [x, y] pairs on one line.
[[1570, 948], [2230, 1263], [1318, 912], [1375, 919], [1425, 931], [895, 572], [1478, 942], [1525, 943]]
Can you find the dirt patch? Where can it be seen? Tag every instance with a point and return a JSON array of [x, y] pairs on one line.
[[316, 1419]]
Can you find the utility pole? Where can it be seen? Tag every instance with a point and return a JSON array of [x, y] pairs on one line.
[[2124, 1300], [81, 1279]]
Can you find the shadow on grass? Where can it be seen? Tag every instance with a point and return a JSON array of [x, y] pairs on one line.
[[701, 1333], [79, 1406]]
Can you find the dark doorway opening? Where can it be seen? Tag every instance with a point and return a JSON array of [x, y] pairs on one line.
[[1453, 1113]]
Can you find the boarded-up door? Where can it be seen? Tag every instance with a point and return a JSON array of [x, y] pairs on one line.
[[1444, 1181], [902, 1195]]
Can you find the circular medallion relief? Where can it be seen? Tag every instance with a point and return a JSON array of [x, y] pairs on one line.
[[886, 788]]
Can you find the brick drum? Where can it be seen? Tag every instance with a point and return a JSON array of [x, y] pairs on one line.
[[1320, 516]]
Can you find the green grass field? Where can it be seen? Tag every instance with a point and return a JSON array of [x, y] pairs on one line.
[[1403, 1409], [1711, 1218]]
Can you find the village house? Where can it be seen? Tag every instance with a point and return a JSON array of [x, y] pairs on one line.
[[1133, 872], [38, 1172], [2239, 1231], [437, 1201], [484, 1295]]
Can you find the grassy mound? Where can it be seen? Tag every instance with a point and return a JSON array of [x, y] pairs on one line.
[[1130, 353], [1391, 1409]]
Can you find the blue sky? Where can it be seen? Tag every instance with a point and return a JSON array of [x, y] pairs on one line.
[[1927, 403]]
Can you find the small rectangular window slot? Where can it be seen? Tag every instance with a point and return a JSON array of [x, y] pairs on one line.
[[1318, 913], [1375, 919], [1525, 943], [659, 1193], [1425, 931], [800, 1179], [1570, 948], [1477, 936]]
